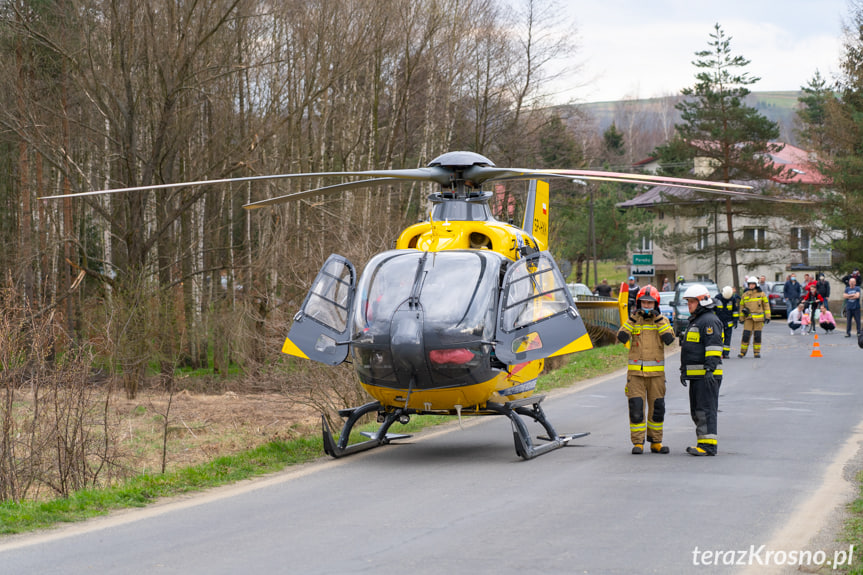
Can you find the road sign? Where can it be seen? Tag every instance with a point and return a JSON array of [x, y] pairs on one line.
[[642, 259], [643, 271]]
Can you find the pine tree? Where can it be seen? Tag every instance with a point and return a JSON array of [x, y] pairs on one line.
[[734, 138]]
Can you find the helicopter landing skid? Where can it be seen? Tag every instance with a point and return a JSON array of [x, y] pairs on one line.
[[530, 407], [376, 439]]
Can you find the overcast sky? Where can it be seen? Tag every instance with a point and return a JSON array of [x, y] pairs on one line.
[[643, 49]]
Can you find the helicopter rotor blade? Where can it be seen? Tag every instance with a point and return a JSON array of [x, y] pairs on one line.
[[486, 173], [433, 174], [732, 193], [321, 191]]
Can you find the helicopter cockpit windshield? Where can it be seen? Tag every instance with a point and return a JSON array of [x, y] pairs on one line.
[[455, 290], [461, 211]]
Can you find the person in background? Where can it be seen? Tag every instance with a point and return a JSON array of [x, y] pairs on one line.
[[795, 319], [633, 292], [852, 305], [826, 320], [855, 274], [755, 310], [792, 292], [727, 311], [666, 285], [812, 300], [822, 286], [762, 283], [680, 280], [603, 289], [807, 279]]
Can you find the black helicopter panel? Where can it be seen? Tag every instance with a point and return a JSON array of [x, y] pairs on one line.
[[434, 312]]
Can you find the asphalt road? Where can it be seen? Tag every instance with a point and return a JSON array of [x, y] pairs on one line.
[[461, 501]]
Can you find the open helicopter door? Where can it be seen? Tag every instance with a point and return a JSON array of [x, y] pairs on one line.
[[537, 317], [321, 329]]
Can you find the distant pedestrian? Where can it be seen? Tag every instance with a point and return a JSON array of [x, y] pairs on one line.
[[825, 319], [666, 285], [603, 289], [633, 292], [792, 291], [823, 288], [755, 310], [855, 274], [727, 311], [795, 319], [852, 306]]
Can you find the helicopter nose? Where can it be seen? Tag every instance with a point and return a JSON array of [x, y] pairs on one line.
[[406, 343]]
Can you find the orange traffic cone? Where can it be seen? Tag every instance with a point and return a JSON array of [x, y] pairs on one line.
[[816, 349]]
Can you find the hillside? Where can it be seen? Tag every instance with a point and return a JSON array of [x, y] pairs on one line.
[[777, 106]]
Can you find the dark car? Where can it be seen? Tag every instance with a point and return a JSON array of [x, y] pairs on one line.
[[681, 310], [778, 305]]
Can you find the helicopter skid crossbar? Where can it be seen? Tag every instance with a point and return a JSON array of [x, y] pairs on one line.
[[530, 407], [378, 438]]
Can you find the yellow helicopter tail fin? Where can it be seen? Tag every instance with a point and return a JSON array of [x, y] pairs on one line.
[[536, 213]]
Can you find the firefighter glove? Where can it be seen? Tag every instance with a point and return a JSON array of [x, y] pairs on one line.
[[623, 336], [683, 381], [709, 378], [766, 320]]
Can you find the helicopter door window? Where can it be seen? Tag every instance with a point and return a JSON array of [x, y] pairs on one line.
[[534, 293], [329, 296]]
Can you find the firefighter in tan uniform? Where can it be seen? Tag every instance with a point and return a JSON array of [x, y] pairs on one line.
[[649, 332], [755, 311]]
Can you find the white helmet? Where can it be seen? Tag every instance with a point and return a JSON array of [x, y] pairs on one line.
[[727, 292], [698, 292], [752, 280]]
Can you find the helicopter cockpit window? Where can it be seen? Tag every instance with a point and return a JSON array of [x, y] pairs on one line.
[[461, 212], [329, 296], [535, 293], [457, 291]]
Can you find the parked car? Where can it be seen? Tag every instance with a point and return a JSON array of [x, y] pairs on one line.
[[665, 308], [681, 310], [778, 305], [579, 290]]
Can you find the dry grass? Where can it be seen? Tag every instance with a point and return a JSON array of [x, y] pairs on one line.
[[202, 427]]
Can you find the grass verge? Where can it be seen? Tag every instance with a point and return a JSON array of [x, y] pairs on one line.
[[268, 458], [853, 531]]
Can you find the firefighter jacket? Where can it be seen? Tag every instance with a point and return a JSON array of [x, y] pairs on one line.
[[649, 334], [727, 310], [701, 348], [755, 305]]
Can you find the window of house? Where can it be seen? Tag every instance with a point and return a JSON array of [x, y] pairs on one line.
[[799, 239], [702, 277], [644, 244], [754, 238], [702, 239]]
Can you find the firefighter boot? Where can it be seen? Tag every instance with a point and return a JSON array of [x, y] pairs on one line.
[[637, 449], [658, 448], [698, 451]]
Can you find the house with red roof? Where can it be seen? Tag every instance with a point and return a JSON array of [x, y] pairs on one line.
[[688, 232]]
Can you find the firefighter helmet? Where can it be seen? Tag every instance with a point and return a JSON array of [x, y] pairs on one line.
[[648, 293], [699, 293], [727, 292]]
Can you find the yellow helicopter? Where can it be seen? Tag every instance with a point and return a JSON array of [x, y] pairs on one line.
[[459, 317]]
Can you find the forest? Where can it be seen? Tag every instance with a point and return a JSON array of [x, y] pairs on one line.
[[111, 94]]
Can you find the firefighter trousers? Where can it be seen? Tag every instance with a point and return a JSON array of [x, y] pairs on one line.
[[646, 392], [726, 339], [751, 328], [704, 407]]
